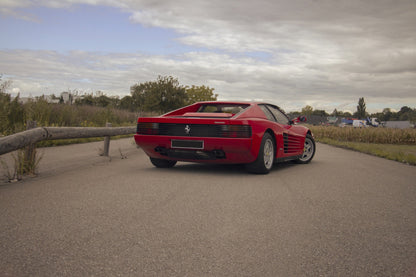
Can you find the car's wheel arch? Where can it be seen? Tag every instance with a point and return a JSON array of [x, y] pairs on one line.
[[309, 149], [272, 134], [264, 158], [258, 133], [309, 132], [257, 143]]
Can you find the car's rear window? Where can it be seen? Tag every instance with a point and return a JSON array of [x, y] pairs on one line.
[[222, 108]]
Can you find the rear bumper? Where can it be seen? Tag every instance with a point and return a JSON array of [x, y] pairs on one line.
[[215, 150]]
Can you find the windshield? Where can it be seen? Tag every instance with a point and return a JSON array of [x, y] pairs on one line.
[[222, 108]]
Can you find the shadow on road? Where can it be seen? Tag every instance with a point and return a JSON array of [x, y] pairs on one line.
[[228, 169]]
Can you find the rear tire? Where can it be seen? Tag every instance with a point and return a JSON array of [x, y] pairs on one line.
[[161, 163], [309, 149], [265, 158]]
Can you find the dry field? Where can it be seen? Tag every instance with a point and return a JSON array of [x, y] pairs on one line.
[[394, 144]]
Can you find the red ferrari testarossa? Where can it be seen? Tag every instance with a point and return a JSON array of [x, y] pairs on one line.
[[251, 133]]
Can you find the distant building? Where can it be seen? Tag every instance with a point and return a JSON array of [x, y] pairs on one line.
[[333, 120], [65, 97], [316, 120], [52, 100], [399, 124]]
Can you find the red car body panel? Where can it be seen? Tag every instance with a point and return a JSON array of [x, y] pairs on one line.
[[244, 131]]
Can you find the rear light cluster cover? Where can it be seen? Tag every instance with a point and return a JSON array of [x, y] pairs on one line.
[[148, 128], [236, 131]]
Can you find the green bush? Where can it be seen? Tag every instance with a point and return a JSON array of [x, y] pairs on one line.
[[14, 115]]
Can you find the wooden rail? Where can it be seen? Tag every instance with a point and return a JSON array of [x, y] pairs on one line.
[[23, 139]]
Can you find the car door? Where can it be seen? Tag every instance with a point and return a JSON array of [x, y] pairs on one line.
[[291, 143]]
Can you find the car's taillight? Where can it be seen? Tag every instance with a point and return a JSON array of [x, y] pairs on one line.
[[236, 131], [148, 128]]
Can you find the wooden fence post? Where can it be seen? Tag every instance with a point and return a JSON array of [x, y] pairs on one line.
[[31, 147], [30, 151], [106, 142]]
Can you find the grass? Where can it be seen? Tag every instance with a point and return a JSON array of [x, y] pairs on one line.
[[393, 144], [53, 115], [368, 135], [401, 153], [26, 162]]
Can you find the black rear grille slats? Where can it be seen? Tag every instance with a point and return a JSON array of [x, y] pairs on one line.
[[194, 130], [191, 130]]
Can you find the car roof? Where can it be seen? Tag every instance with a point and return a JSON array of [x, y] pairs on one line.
[[236, 103], [229, 102]]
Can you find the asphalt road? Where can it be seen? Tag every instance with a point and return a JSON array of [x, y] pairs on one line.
[[344, 214]]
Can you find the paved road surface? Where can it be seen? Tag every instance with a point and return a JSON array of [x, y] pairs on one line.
[[344, 214]]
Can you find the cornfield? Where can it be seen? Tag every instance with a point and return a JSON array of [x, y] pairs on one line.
[[367, 135]]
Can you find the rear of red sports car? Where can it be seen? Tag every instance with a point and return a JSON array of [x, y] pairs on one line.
[[218, 132]]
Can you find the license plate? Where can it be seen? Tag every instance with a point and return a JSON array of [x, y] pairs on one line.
[[189, 144]]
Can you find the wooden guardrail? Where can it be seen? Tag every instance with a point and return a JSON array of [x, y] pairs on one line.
[[23, 139]]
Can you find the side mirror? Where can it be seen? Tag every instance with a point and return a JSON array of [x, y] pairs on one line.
[[298, 119]]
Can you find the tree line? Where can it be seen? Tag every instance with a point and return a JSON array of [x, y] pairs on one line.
[[404, 114], [160, 96]]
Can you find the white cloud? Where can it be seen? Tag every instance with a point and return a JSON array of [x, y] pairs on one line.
[[323, 53], [46, 72]]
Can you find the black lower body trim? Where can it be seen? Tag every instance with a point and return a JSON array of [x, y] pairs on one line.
[[286, 159], [188, 154]]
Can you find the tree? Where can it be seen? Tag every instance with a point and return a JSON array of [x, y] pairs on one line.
[[162, 95], [16, 116], [200, 93], [102, 101], [346, 114], [4, 85], [320, 112], [86, 100], [39, 110], [126, 103], [361, 113], [307, 110], [405, 113], [12, 115], [5, 100], [385, 115]]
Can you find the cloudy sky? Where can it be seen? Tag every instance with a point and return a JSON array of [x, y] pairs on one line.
[[322, 53]]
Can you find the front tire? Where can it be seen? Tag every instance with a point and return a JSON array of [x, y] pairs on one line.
[[161, 163], [309, 149], [265, 158]]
